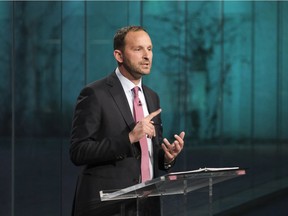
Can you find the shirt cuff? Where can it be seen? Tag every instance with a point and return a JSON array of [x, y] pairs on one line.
[[169, 165]]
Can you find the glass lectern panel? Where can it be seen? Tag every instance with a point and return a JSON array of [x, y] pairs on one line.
[[174, 183]]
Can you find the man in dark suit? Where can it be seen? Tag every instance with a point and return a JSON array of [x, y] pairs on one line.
[[105, 137]]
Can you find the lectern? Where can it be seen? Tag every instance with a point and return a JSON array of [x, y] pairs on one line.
[[175, 183]]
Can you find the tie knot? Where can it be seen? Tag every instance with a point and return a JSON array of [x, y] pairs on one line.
[[136, 90]]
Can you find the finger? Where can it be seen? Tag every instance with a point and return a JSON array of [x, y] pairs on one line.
[[166, 142], [168, 154], [150, 129], [178, 147], [154, 132], [152, 126], [180, 138], [182, 135], [164, 147], [169, 147], [166, 150], [179, 143], [153, 114]]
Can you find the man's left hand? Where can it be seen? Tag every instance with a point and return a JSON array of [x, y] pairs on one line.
[[173, 149]]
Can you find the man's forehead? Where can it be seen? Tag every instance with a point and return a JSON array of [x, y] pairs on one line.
[[138, 37]]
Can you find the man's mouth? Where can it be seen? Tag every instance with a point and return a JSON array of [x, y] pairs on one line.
[[145, 64]]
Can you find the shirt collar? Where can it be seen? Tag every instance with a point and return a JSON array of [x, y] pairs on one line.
[[126, 83]]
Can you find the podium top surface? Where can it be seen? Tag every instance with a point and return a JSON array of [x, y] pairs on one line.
[[175, 183]]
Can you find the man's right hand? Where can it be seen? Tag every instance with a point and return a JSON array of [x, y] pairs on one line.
[[144, 127]]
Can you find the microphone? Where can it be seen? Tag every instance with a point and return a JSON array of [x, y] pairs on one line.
[[139, 103]]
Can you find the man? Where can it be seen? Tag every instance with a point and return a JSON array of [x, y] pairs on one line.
[[108, 138]]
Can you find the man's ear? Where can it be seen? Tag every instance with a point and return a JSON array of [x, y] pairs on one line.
[[118, 56]]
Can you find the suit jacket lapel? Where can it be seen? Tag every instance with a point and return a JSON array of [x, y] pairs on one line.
[[120, 99], [149, 100]]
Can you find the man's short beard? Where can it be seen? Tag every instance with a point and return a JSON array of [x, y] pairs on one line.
[[133, 72]]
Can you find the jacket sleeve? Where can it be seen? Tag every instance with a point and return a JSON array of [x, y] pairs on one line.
[[89, 144]]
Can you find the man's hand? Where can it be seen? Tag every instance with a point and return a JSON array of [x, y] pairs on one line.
[[144, 127], [172, 150]]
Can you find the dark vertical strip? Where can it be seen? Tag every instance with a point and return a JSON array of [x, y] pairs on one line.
[[222, 72], [61, 107], [183, 63], [251, 140], [279, 90], [141, 12], [85, 42], [185, 81], [252, 71], [279, 71], [219, 103], [13, 109], [180, 62], [128, 11]]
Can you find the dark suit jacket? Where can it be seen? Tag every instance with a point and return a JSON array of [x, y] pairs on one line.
[[100, 141]]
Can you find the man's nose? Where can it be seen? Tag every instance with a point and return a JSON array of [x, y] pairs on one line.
[[146, 54]]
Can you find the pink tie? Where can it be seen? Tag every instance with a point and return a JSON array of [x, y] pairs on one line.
[[138, 115]]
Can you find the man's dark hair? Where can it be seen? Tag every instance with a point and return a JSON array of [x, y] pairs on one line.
[[119, 37]]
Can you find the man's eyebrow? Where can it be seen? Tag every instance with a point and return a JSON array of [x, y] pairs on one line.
[[140, 46]]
